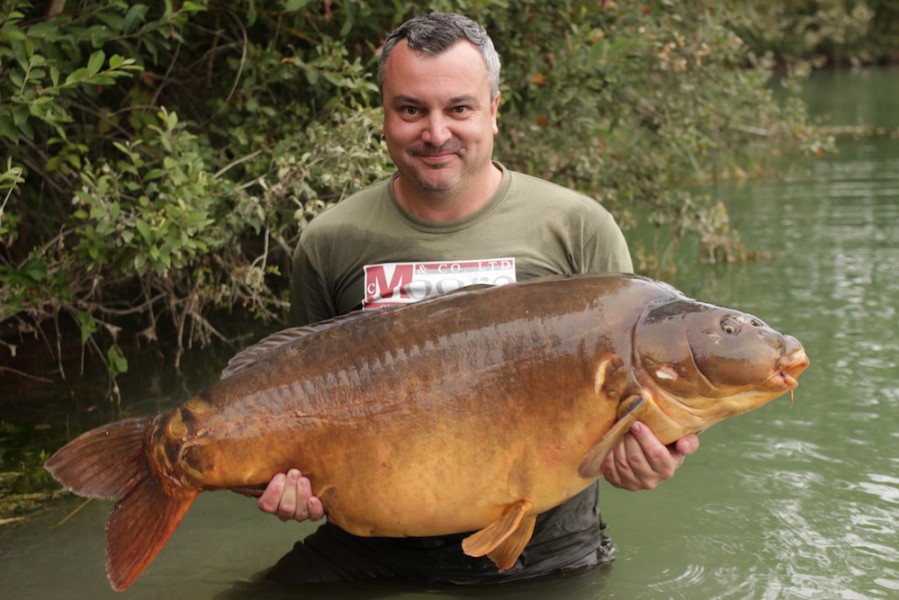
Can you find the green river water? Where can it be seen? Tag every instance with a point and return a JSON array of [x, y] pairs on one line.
[[790, 501]]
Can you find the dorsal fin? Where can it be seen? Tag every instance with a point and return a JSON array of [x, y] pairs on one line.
[[251, 355]]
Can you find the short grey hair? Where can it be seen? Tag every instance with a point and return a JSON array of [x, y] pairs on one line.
[[437, 32]]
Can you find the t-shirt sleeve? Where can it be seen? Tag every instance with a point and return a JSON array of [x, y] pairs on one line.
[[606, 251]]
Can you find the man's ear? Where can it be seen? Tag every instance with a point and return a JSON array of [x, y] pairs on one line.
[[494, 112]]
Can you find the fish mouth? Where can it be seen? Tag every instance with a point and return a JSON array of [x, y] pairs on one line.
[[792, 365]]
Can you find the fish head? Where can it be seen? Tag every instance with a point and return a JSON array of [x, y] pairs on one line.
[[714, 362]]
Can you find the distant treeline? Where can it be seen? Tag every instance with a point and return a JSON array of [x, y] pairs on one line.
[[159, 159], [822, 32]]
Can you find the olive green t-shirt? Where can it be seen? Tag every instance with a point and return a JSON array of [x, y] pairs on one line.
[[530, 228], [367, 252]]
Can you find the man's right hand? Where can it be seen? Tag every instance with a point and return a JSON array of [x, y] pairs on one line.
[[289, 496]]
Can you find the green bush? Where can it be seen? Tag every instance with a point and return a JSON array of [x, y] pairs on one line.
[[161, 158]]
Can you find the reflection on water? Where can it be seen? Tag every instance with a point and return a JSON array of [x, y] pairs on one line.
[[801, 501], [795, 500]]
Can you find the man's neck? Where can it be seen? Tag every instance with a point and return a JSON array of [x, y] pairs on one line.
[[448, 205]]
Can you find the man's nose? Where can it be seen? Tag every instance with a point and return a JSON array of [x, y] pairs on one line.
[[436, 131]]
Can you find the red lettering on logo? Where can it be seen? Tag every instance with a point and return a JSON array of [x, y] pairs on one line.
[[377, 285]]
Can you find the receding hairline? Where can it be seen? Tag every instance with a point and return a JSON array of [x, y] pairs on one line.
[[436, 33]]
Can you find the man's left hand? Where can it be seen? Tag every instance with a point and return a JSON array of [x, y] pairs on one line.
[[641, 462]]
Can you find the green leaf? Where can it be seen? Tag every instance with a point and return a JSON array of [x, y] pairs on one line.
[[87, 324], [99, 35], [294, 5], [34, 270], [135, 14], [144, 230], [111, 19], [100, 80], [95, 63], [45, 31], [11, 33], [8, 129], [27, 131], [76, 76], [118, 364]]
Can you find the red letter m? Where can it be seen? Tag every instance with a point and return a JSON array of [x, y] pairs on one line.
[[377, 286]]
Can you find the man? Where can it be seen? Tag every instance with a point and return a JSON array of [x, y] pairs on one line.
[[451, 216]]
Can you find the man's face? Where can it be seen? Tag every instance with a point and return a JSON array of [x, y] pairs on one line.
[[439, 118]]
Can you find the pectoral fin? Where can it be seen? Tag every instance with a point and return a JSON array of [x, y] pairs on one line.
[[504, 540], [590, 467]]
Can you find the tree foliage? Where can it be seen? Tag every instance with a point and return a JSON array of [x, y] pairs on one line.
[[812, 33], [161, 158]]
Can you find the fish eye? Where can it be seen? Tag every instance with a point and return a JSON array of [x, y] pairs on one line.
[[730, 325]]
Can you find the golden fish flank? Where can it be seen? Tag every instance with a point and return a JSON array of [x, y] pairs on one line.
[[518, 392]]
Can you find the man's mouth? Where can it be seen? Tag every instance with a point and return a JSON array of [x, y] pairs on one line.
[[430, 153]]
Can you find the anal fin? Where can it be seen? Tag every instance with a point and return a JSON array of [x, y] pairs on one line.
[[505, 539], [591, 466], [505, 555]]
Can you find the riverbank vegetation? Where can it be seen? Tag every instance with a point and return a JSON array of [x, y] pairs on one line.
[[160, 159]]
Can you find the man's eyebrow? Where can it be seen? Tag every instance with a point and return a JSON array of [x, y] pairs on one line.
[[401, 99], [464, 99]]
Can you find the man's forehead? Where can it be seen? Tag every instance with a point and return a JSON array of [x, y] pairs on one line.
[[403, 52], [417, 74]]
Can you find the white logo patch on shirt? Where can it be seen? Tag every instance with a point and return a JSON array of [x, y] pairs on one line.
[[391, 284]]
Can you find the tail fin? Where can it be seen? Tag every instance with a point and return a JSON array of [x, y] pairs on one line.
[[110, 462], [105, 462], [138, 528]]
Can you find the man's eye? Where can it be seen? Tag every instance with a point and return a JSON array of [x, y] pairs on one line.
[[459, 110], [410, 110]]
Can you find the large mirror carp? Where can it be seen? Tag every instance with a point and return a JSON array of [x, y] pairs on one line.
[[513, 393]]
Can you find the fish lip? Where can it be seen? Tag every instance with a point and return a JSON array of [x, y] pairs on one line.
[[793, 365]]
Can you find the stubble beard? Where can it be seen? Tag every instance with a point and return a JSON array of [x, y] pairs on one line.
[[443, 183]]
